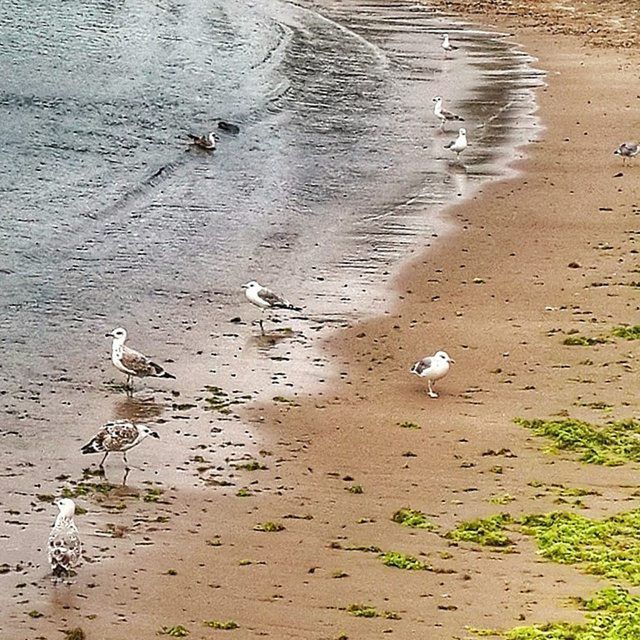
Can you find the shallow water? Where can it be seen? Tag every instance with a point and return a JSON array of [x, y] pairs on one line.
[[107, 218]]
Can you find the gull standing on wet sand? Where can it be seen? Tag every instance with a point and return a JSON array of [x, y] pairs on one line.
[[64, 546], [446, 45], [265, 299], [627, 150], [442, 114], [132, 362], [121, 436], [208, 142], [459, 144], [433, 368]]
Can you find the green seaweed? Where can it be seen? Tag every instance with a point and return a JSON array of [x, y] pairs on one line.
[[583, 341], [628, 333], [403, 561], [217, 624], [409, 425], [269, 527], [355, 488], [177, 631], [412, 518], [369, 611], [485, 531], [252, 465], [611, 444]]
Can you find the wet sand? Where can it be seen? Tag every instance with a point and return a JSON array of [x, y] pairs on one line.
[[530, 259]]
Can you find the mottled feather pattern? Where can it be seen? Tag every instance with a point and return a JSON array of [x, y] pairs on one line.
[[64, 547], [114, 436], [422, 365]]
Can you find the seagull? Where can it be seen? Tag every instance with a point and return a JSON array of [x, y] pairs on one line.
[[265, 299], [627, 150], [446, 45], [459, 144], [443, 115], [433, 368], [131, 362], [120, 435], [208, 142], [64, 546]]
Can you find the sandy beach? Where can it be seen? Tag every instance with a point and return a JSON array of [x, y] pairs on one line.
[[530, 260]]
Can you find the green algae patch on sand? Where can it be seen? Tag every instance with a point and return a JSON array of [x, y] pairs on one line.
[[628, 333], [583, 341], [609, 547], [217, 624], [177, 631], [612, 614], [484, 531], [412, 518], [269, 527], [403, 561], [369, 611], [611, 444]]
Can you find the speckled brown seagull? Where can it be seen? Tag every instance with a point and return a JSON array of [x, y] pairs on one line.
[[64, 547], [627, 150], [132, 362], [208, 142], [121, 436]]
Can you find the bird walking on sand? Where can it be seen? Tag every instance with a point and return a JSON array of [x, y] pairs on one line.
[[627, 150], [64, 547], [208, 142], [264, 298], [132, 362], [446, 44], [121, 436], [442, 114], [459, 144], [433, 368]]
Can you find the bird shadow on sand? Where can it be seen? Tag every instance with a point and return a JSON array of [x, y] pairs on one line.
[[272, 338]]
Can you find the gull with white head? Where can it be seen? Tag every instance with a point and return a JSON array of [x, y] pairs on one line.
[[442, 114], [119, 436], [433, 368], [627, 150], [208, 142], [264, 298], [64, 547], [459, 144], [132, 362], [446, 44]]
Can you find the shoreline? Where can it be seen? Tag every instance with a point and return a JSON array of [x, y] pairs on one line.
[[517, 237]]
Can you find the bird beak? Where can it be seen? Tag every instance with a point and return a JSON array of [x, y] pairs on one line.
[[452, 361], [108, 335], [154, 434], [245, 286]]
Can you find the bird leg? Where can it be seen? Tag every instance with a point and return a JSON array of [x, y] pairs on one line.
[[432, 393], [129, 385], [126, 462], [261, 326], [101, 465], [126, 475]]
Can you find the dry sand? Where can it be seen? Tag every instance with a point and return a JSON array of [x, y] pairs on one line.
[[499, 295]]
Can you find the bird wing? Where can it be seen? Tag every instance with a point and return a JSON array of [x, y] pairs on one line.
[[422, 366], [139, 364], [64, 547], [272, 299], [451, 116], [120, 435], [449, 145]]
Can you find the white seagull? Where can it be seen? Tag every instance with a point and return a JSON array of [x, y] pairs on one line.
[[627, 150], [442, 114], [132, 362], [64, 546], [265, 299], [120, 435], [459, 144], [446, 45], [433, 368], [208, 142]]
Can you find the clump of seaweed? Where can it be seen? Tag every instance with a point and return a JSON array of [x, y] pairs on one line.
[[612, 614], [485, 531], [76, 633], [217, 624], [403, 561], [412, 518], [583, 341], [177, 631], [628, 333], [608, 547], [269, 527], [611, 444], [408, 425], [369, 611]]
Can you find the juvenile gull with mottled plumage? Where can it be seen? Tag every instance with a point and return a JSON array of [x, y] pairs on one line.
[[121, 436], [64, 546], [264, 298], [627, 150], [132, 362], [433, 368]]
